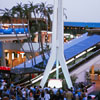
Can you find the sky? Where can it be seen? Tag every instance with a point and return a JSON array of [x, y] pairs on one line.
[[77, 10]]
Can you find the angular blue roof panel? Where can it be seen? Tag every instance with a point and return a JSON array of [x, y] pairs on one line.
[[81, 46], [71, 49]]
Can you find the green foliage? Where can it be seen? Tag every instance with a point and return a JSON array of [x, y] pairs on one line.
[[41, 20], [87, 77], [73, 78], [97, 72]]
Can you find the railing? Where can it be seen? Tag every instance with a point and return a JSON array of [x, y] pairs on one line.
[[84, 60], [27, 70], [11, 31], [30, 81]]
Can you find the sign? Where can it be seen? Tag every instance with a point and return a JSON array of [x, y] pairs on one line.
[[57, 83]]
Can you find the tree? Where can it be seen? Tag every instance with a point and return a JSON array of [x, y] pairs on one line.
[[6, 15], [41, 11], [87, 77], [27, 15], [19, 10], [34, 10], [74, 78], [45, 11]]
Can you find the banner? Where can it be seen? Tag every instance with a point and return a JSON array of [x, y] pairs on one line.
[[57, 83]]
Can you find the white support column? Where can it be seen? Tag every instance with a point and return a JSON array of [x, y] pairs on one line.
[[57, 65], [53, 50], [57, 50], [61, 44]]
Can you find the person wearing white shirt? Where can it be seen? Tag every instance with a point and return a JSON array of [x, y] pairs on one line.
[[55, 90], [23, 94], [47, 95]]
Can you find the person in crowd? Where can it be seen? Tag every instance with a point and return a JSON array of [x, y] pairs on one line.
[[12, 84], [4, 92], [76, 96], [69, 95], [12, 92], [51, 94], [24, 94], [4, 83], [59, 96], [31, 95], [42, 95], [64, 94], [37, 94], [40, 89], [86, 94], [79, 91], [55, 90], [19, 94], [47, 95]]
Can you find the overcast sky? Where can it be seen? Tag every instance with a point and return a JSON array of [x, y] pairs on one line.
[[77, 10]]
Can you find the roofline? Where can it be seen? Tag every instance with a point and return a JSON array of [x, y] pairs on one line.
[[93, 30]]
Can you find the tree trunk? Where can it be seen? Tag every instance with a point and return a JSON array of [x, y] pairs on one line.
[[40, 36], [31, 43]]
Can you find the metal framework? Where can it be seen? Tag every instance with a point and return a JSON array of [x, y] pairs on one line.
[[57, 50]]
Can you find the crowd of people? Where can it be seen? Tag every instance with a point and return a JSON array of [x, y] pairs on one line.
[[12, 92]]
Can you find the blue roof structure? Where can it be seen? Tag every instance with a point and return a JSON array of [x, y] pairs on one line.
[[81, 46], [28, 63], [7, 31], [82, 24], [17, 30], [1, 30], [75, 41], [71, 49]]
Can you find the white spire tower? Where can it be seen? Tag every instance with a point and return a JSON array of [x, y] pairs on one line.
[[57, 50]]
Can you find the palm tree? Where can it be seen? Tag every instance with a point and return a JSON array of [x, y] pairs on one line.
[[27, 14], [39, 25], [45, 12], [20, 11], [34, 10], [6, 15], [64, 9]]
